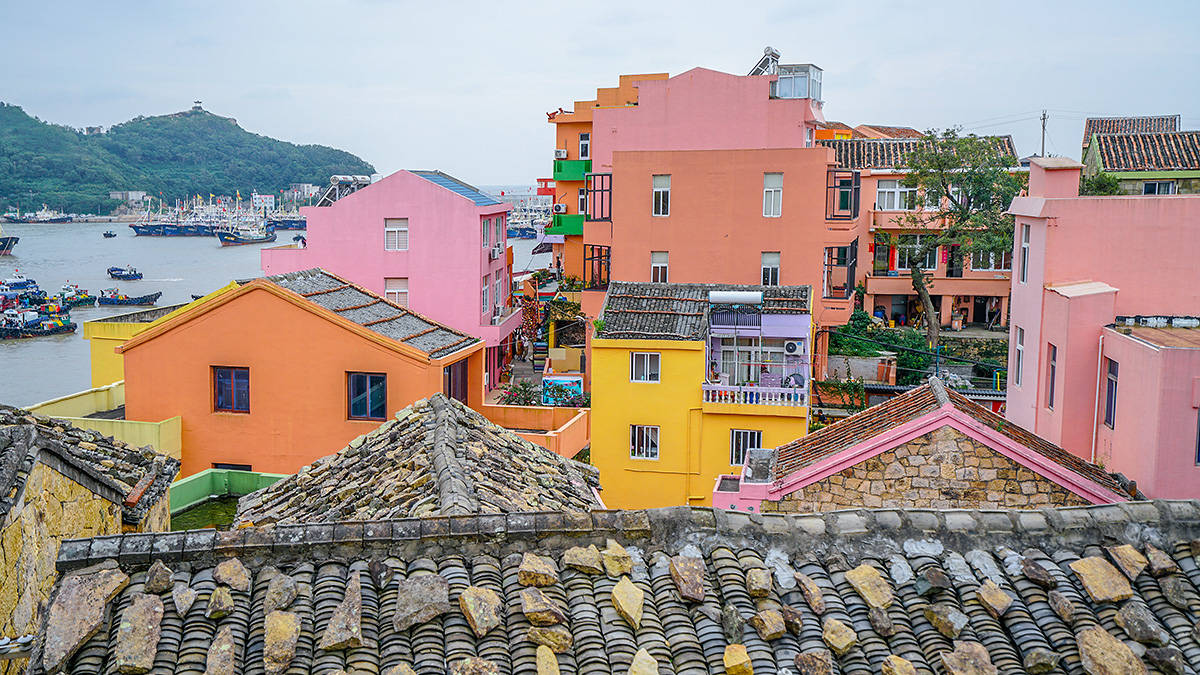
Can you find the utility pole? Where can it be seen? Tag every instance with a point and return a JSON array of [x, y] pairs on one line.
[[1043, 133]]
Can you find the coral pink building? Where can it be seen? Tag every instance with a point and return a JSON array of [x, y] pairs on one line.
[[1104, 343], [426, 241]]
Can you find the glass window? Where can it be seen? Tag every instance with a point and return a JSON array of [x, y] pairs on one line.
[[772, 195], [486, 229], [1110, 395], [891, 195], [583, 200], [499, 230], [643, 442], [741, 440], [395, 290], [1051, 371], [643, 367], [367, 395], [1160, 187], [662, 195], [909, 247], [1020, 356], [1024, 253], [585, 147], [395, 234], [231, 389], [484, 297], [990, 261], [658, 266], [770, 268], [747, 360], [498, 289]]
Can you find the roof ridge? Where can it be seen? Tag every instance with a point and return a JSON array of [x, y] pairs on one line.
[[939, 390], [455, 496]]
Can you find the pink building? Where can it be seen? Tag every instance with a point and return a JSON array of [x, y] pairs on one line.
[[426, 241], [1104, 346]]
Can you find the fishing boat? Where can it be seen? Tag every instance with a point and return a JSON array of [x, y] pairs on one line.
[[109, 234], [127, 273], [18, 282], [7, 243], [239, 236], [42, 216], [27, 323], [288, 221], [112, 297], [74, 296]]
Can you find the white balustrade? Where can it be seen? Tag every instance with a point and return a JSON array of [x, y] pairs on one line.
[[752, 395]]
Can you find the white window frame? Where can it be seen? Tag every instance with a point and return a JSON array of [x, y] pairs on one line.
[[395, 234], [486, 307], [1019, 356], [660, 205], [772, 195], [770, 268], [498, 289], [660, 271], [499, 230], [583, 200], [892, 195], [585, 145], [486, 229], [992, 257], [740, 443], [1158, 187], [1024, 252], [904, 251], [396, 295], [1051, 374], [651, 367], [643, 441]]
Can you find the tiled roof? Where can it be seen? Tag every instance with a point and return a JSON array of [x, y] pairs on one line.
[[1161, 151], [477, 196], [656, 311], [437, 457], [1021, 591], [135, 478], [906, 407], [886, 153], [364, 308], [1128, 125], [894, 132]]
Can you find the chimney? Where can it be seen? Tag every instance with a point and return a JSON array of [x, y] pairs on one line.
[[1054, 177]]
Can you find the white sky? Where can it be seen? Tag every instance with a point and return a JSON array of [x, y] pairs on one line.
[[464, 87]]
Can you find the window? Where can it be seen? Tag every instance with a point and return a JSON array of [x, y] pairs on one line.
[[1020, 356], [454, 380], [1198, 436], [498, 289], [486, 230], [1051, 371], [1024, 253], [583, 200], [770, 268], [1158, 187], [585, 147], [741, 440], [395, 234], [643, 442], [747, 361], [658, 266], [1110, 395], [367, 395], [772, 195], [395, 290], [499, 230], [662, 195], [842, 194], [233, 467], [484, 297], [596, 262], [840, 265], [990, 261], [908, 249], [643, 367], [892, 196], [231, 389]]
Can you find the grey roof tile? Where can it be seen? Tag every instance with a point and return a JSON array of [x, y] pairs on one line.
[[657, 311]]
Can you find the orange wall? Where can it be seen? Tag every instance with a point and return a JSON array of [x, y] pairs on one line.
[[298, 401]]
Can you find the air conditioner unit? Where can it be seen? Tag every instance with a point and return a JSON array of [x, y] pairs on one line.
[[560, 153], [793, 347], [560, 208], [495, 253]]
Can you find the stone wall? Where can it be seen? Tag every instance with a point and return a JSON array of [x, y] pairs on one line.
[[1183, 186], [943, 469]]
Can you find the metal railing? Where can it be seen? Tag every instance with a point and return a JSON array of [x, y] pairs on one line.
[[791, 397]]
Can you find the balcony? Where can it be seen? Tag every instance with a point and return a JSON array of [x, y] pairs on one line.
[[753, 399], [571, 169], [566, 223]]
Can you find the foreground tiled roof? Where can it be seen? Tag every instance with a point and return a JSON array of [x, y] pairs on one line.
[[677, 590], [134, 478], [1128, 125], [906, 407], [1163, 151], [363, 307], [681, 311], [886, 153], [893, 131], [437, 457]]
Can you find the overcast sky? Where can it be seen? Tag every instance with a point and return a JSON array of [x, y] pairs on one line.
[[464, 87]]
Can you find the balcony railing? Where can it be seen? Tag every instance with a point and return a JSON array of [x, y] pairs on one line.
[[790, 397]]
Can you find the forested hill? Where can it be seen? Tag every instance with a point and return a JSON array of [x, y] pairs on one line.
[[188, 153]]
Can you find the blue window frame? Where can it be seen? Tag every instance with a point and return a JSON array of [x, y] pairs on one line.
[[367, 396], [231, 389]]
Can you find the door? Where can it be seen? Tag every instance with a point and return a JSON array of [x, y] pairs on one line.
[[954, 266], [454, 381]]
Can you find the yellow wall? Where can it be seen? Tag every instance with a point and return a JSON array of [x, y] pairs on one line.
[[164, 436], [693, 438]]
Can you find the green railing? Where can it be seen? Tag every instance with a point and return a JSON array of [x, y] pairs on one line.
[[566, 223], [215, 483], [571, 169]]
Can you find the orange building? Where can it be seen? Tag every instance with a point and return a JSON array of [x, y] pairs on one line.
[[281, 371]]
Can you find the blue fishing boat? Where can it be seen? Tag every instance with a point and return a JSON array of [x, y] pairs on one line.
[[28, 323], [18, 282], [127, 273], [109, 234], [72, 295], [7, 243], [112, 297], [259, 234], [288, 222]]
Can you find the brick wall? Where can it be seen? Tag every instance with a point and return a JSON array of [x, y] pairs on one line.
[[942, 469]]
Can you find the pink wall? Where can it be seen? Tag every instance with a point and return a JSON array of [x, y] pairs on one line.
[[702, 109], [445, 261]]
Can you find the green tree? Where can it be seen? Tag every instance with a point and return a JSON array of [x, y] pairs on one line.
[[1102, 185], [968, 183]]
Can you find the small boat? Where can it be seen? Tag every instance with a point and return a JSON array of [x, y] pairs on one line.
[[18, 282], [73, 296], [109, 234], [17, 324], [127, 273], [259, 234], [112, 297]]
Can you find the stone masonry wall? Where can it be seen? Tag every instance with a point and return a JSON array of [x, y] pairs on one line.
[[944, 469]]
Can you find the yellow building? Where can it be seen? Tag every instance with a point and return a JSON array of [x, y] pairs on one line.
[[686, 378]]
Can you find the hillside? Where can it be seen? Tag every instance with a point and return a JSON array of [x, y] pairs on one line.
[[187, 153]]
